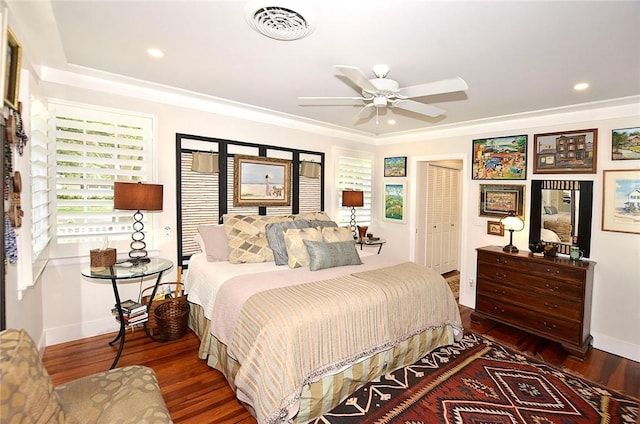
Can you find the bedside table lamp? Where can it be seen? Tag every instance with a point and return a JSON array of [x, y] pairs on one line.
[[511, 222], [353, 198], [137, 197]]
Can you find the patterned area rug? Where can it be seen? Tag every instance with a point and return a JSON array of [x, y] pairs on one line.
[[480, 381]]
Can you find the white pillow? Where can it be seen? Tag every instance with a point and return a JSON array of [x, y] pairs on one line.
[[215, 242]]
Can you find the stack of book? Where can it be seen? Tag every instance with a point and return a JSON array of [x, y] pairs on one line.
[[132, 312]]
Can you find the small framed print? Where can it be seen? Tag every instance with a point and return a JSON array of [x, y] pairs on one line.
[[495, 228], [625, 144], [621, 201], [500, 158], [394, 198], [12, 71], [565, 152], [261, 181], [395, 167], [500, 200]]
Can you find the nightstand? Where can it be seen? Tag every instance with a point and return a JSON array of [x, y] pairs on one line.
[[367, 242], [123, 273]]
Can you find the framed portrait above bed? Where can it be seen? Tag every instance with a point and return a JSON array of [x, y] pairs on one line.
[[500, 158], [261, 181], [565, 152], [499, 200]]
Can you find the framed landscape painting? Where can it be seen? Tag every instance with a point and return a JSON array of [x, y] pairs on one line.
[[500, 158], [565, 152], [625, 144], [394, 195], [261, 181], [500, 200], [395, 167], [621, 201]]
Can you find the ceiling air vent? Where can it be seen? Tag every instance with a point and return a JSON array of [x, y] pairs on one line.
[[278, 22]]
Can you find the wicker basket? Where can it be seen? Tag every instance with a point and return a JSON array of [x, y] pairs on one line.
[[152, 325], [172, 317]]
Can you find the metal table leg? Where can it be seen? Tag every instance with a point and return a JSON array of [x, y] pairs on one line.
[[122, 331], [153, 294]]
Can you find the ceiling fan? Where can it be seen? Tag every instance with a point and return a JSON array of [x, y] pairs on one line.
[[382, 92]]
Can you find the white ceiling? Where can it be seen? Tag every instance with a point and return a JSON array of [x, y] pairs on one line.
[[516, 57]]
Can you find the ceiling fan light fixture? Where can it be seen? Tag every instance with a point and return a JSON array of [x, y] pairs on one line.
[[381, 70], [278, 21]]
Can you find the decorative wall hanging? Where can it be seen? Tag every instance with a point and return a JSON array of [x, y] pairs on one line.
[[621, 201], [500, 200], [625, 144], [500, 158], [261, 181], [394, 197], [12, 70], [495, 228], [395, 167], [565, 152]]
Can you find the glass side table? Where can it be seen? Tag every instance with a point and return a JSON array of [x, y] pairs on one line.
[[367, 242], [120, 273]]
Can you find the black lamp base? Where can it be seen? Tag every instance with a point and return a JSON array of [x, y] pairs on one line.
[[510, 248]]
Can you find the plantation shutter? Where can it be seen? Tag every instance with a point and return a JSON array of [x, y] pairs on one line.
[[95, 148], [40, 201], [355, 173]]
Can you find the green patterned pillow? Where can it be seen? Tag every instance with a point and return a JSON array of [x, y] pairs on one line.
[[333, 234], [27, 393], [296, 250], [328, 255]]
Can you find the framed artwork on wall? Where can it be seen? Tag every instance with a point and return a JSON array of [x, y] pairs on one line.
[[565, 152], [261, 181], [495, 228], [500, 158], [501, 199], [625, 144], [621, 201], [12, 71], [394, 198], [395, 167]]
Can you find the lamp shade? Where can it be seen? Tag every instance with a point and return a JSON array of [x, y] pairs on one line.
[[137, 196], [512, 222], [205, 162], [309, 169], [352, 198]]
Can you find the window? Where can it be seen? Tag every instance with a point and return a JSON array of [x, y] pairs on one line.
[[355, 173], [94, 148], [40, 201]]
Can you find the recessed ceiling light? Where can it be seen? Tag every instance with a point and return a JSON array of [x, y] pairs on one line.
[[391, 122], [155, 53], [581, 86]]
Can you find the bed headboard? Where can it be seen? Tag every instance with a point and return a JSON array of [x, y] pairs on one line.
[[203, 198]]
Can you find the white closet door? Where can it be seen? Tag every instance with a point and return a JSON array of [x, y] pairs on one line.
[[442, 235]]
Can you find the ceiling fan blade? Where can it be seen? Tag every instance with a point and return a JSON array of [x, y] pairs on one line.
[[364, 113], [421, 108], [436, 87], [357, 77], [330, 101]]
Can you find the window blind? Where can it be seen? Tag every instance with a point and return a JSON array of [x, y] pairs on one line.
[[40, 202], [95, 148], [355, 173]]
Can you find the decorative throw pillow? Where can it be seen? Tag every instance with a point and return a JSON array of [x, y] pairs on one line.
[[328, 255], [318, 216], [275, 236], [215, 241], [27, 392], [320, 223], [550, 210], [333, 234], [247, 240], [296, 250]]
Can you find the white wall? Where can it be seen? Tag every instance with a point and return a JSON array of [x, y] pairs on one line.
[[616, 296]]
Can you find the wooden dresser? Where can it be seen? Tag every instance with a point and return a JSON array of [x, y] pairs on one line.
[[550, 297]]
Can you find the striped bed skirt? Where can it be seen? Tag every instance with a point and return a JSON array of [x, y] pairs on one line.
[[320, 397]]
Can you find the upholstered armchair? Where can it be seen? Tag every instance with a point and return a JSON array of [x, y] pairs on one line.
[[122, 395]]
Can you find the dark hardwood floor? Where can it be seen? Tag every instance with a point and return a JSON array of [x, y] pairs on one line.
[[195, 393]]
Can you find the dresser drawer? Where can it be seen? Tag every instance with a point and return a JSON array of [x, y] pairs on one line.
[[528, 282], [554, 305], [539, 268], [548, 325]]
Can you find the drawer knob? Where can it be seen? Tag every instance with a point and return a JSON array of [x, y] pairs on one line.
[[498, 310], [502, 292], [550, 307], [552, 288], [550, 326]]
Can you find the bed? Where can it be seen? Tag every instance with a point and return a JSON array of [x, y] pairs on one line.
[[293, 342], [558, 222]]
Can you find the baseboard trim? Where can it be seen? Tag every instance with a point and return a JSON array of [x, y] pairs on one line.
[[79, 331], [616, 346]]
